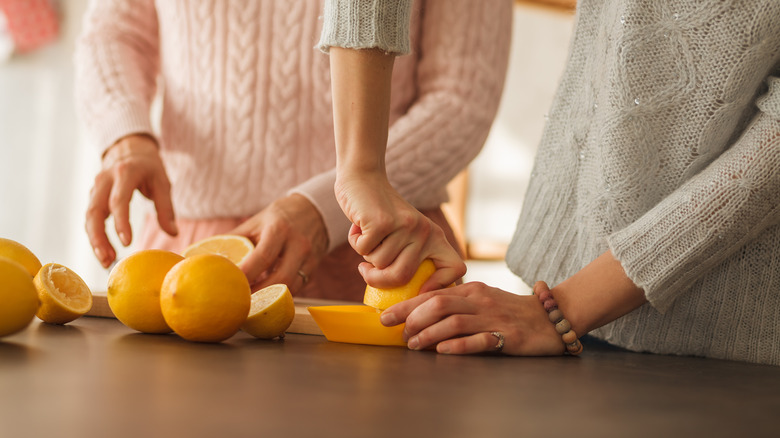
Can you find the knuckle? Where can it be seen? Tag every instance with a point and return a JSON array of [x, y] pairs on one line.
[[383, 223], [95, 210], [101, 178], [458, 323], [114, 202], [124, 167], [437, 304]]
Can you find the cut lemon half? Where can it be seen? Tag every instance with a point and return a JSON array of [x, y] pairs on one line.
[[64, 295], [271, 313], [233, 247], [18, 299], [19, 253], [384, 298]]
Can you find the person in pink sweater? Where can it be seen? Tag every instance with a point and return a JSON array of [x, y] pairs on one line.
[[244, 143]]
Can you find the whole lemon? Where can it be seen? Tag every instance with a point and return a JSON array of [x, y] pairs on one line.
[[205, 298], [134, 289], [18, 298], [20, 254]]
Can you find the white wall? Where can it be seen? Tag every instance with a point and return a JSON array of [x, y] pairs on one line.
[[46, 167], [499, 175]]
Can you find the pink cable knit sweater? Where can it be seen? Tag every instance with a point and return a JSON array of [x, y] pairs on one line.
[[246, 108]]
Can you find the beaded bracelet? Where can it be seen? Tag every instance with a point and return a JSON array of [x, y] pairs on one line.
[[562, 325]]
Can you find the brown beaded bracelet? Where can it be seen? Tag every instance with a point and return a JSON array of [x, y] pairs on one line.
[[562, 325]]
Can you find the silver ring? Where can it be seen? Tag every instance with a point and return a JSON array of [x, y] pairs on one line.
[[500, 345], [303, 276]]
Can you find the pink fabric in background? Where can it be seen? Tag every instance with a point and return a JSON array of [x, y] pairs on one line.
[[31, 23]]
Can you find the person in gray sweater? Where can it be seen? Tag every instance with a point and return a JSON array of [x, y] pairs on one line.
[[654, 203]]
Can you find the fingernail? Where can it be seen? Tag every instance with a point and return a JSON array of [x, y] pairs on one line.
[[443, 349], [388, 319], [413, 343], [124, 239], [362, 270], [99, 254]]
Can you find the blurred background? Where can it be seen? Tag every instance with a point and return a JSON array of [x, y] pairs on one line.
[[47, 166]]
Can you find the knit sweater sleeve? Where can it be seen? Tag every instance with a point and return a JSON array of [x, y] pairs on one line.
[[361, 24], [712, 216], [116, 62], [464, 51]]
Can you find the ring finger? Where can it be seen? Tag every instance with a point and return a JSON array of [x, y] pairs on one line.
[[436, 308], [454, 326], [477, 343]]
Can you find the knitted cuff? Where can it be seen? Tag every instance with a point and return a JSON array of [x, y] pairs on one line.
[[319, 191], [119, 123], [361, 24]]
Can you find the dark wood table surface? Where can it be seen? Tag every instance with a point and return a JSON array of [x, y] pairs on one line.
[[97, 378]]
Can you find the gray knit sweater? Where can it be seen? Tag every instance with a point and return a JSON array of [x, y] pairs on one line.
[[663, 144]]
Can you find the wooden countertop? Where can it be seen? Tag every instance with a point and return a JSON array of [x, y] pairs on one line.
[[97, 378]]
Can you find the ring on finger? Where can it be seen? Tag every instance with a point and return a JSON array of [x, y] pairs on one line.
[[500, 345], [303, 275]]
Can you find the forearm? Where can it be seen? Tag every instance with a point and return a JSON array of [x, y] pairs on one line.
[[703, 223], [361, 106], [599, 293]]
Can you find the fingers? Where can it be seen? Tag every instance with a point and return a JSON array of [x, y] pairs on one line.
[[397, 313], [476, 343], [407, 252], [435, 307], [397, 274], [95, 224], [267, 250], [278, 256], [365, 236], [161, 196], [445, 275], [119, 202], [132, 163], [452, 327]]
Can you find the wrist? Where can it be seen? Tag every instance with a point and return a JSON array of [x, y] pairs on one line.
[[598, 294], [359, 162], [133, 144], [362, 174], [299, 209]]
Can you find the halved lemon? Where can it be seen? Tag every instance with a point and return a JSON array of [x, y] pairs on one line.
[[384, 298], [271, 313], [233, 247], [64, 295]]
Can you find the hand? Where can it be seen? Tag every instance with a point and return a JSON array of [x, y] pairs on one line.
[[459, 320], [290, 237], [132, 163], [392, 236]]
